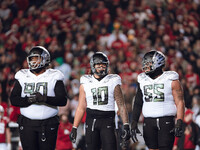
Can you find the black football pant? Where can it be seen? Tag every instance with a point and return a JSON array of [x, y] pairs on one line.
[[38, 137], [100, 133], [157, 132]]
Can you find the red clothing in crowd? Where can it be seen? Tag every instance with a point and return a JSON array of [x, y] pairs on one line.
[[189, 139], [193, 79], [117, 44], [3, 126], [5, 107], [14, 113], [188, 144], [63, 141]]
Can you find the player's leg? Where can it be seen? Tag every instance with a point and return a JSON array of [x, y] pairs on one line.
[[166, 139], [48, 140], [150, 133], [107, 133], [28, 137], [92, 136]]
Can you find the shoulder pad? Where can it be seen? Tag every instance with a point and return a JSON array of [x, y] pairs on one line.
[[171, 75], [57, 74], [110, 76], [21, 73], [141, 76], [114, 77], [85, 79]]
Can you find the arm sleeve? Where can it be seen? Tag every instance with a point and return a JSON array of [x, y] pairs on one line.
[[15, 97], [138, 103], [60, 98]]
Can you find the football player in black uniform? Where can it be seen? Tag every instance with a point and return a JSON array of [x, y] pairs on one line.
[[97, 95], [160, 98], [38, 91]]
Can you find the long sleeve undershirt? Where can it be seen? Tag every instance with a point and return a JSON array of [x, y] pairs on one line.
[[60, 98], [138, 103]]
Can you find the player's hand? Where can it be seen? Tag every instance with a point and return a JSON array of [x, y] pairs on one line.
[[32, 99], [135, 131], [177, 130], [73, 135], [125, 136], [40, 97], [36, 97]]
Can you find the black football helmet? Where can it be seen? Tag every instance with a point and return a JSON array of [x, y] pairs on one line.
[[42, 55], [153, 61], [99, 58]]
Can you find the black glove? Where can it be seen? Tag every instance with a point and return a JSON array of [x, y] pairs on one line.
[[135, 131], [73, 135], [125, 136], [40, 98], [177, 130], [32, 99], [36, 98]]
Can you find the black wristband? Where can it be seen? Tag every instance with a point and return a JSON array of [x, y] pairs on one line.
[[126, 126], [179, 123], [74, 129], [134, 124]]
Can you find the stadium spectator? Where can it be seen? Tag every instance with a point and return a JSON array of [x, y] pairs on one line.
[[191, 136], [64, 129], [5, 134]]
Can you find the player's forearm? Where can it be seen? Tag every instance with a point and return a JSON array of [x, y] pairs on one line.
[[60, 98], [15, 96], [138, 103], [177, 92], [121, 103], [180, 109], [78, 116], [123, 113], [136, 112]]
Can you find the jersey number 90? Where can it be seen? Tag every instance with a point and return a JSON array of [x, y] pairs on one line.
[[32, 87]]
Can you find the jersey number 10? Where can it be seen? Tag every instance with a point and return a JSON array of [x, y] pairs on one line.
[[100, 95]]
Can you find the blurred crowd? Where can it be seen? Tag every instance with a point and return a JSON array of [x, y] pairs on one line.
[[72, 30]]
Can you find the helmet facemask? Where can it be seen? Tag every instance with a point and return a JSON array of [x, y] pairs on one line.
[[148, 67], [101, 72], [38, 58], [34, 63], [153, 61], [99, 58]]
